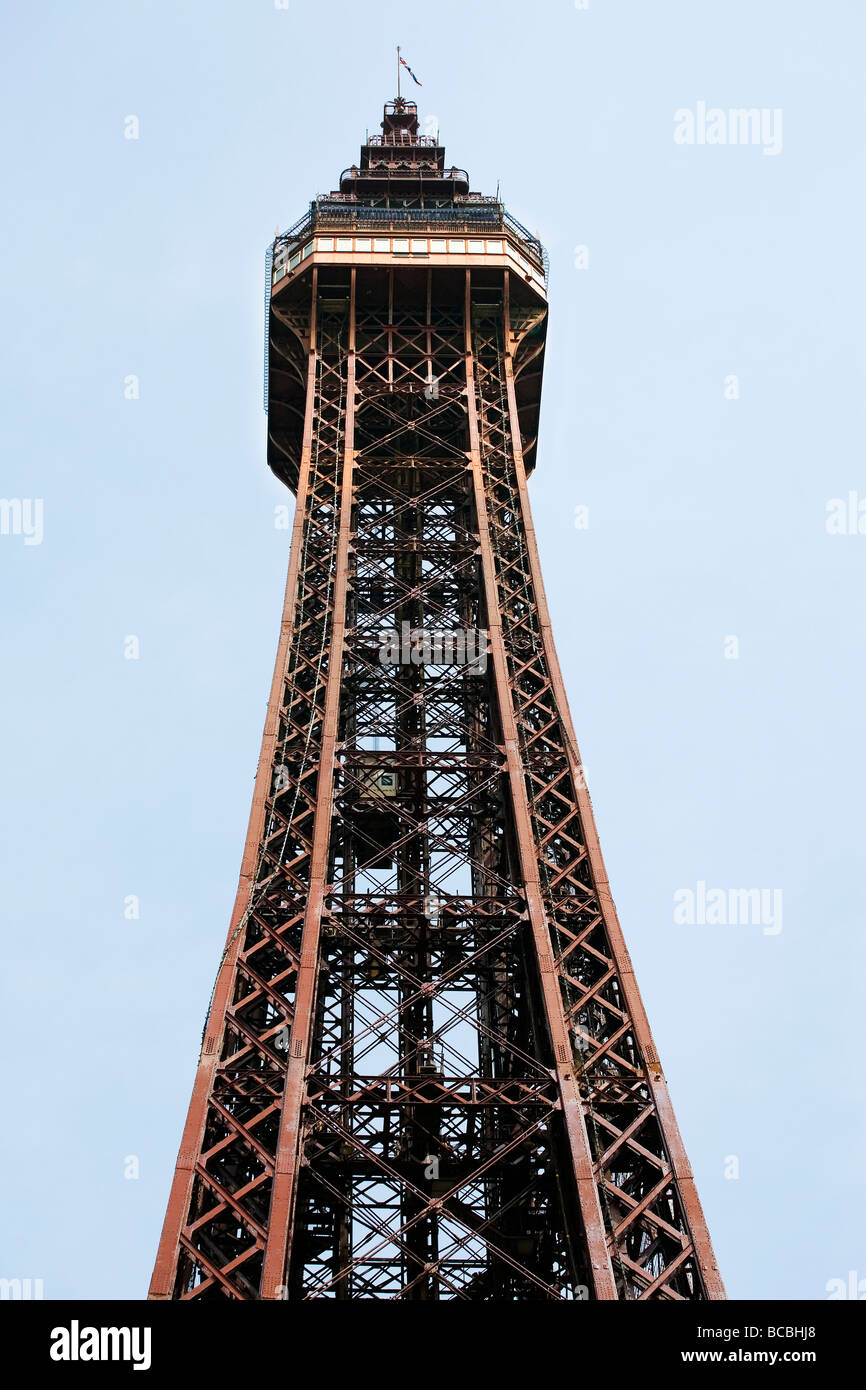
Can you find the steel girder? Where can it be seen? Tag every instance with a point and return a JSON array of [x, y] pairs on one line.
[[426, 1072]]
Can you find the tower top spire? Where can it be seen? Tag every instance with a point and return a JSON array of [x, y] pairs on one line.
[[402, 166], [400, 117]]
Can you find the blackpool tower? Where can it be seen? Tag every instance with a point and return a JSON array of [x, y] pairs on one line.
[[426, 1072]]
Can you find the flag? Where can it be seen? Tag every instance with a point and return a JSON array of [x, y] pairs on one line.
[[411, 73]]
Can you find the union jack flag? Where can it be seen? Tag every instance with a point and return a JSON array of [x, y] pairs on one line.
[[410, 72]]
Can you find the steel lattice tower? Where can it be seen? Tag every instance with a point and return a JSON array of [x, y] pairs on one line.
[[427, 1072]]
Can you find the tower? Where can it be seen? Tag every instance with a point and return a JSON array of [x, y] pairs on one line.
[[426, 1071]]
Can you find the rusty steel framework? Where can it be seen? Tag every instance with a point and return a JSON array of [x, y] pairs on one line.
[[426, 1072]]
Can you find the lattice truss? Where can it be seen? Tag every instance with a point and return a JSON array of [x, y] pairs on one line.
[[429, 1154], [652, 1248]]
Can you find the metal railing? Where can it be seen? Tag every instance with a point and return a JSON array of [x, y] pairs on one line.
[[401, 139], [472, 214], [404, 170]]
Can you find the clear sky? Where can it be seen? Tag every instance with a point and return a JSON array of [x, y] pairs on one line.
[[733, 765]]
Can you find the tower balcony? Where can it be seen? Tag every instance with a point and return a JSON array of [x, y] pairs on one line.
[[403, 138], [468, 229]]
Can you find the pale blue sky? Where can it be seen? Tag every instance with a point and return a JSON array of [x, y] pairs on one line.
[[707, 519]]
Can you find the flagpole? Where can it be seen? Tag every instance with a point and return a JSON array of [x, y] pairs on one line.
[[398, 72]]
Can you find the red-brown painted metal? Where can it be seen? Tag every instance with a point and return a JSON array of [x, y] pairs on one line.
[[676, 1154], [578, 1143], [427, 1073]]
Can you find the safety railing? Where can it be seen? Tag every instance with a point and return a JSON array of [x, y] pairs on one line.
[[402, 138], [480, 214]]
